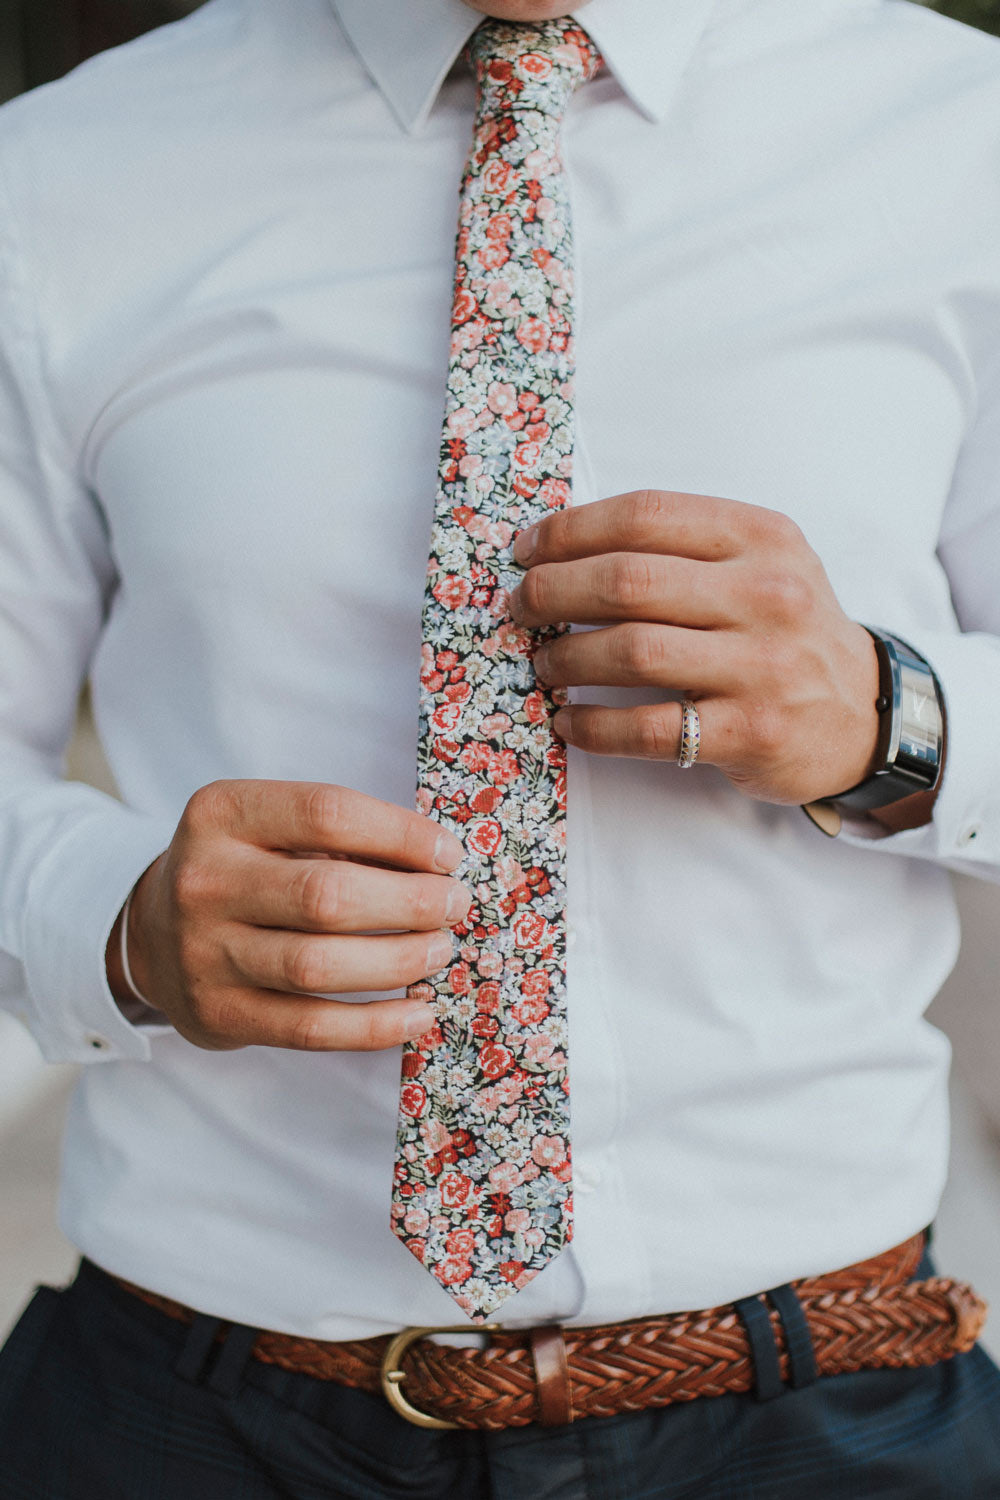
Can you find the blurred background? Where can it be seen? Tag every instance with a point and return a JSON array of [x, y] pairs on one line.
[[40, 40]]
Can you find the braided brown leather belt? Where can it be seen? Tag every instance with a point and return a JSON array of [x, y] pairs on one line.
[[867, 1316]]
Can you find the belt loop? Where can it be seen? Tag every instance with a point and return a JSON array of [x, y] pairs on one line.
[[763, 1349], [227, 1372], [197, 1347], [555, 1397], [798, 1339]]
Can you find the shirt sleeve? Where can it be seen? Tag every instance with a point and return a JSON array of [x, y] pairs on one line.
[[964, 833], [68, 854]]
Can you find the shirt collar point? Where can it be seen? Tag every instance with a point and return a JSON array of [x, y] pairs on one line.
[[408, 50], [410, 120], [655, 111]]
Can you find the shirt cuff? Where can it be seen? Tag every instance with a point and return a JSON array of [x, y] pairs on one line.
[[75, 895], [964, 832]]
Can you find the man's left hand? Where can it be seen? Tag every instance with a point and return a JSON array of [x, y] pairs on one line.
[[723, 603]]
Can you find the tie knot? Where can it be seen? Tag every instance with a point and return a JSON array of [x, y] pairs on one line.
[[536, 67]]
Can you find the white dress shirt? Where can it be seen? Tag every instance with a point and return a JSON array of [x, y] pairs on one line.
[[224, 318]]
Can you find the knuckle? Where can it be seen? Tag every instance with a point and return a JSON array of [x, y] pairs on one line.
[[194, 885], [785, 594], [220, 1022], [426, 906], [207, 807], [414, 842], [309, 1033], [627, 580], [373, 1032], [214, 1018], [411, 963], [557, 533], [781, 664], [654, 737], [320, 896], [636, 646], [643, 514], [775, 529], [324, 811], [306, 968], [534, 588]]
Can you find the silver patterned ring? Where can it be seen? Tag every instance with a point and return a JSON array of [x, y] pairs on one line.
[[690, 735]]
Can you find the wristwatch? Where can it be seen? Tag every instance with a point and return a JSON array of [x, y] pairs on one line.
[[911, 735]]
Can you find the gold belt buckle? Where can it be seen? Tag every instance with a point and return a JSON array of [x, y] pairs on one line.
[[393, 1377]]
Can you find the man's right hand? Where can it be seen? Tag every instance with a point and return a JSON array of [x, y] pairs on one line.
[[273, 892]]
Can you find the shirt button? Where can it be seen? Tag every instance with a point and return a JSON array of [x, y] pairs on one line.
[[99, 1043], [969, 835], [570, 937]]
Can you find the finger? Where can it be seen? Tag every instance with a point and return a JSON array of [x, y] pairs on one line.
[[627, 586], [307, 964], [322, 895], [696, 526], [636, 655], [257, 1018], [648, 731], [315, 816]]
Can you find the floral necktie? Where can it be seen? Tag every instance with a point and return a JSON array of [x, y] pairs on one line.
[[483, 1190]]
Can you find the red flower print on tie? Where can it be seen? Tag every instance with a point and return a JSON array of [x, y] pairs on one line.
[[484, 1115]]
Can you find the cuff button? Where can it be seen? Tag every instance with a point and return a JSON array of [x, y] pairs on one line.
[[98, 1043]]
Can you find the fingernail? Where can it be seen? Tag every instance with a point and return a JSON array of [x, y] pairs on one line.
[[418, 1020], [562, 723], [514, 605], [448, 852], [541, 663], [525, 544], [440, 951], [459, 901]]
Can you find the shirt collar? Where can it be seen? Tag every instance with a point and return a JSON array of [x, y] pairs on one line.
[[409, 46]]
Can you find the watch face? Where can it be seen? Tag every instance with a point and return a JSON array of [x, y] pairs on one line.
[[920, 732]]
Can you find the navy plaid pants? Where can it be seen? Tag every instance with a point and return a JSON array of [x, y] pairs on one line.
[[93, 1408]]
